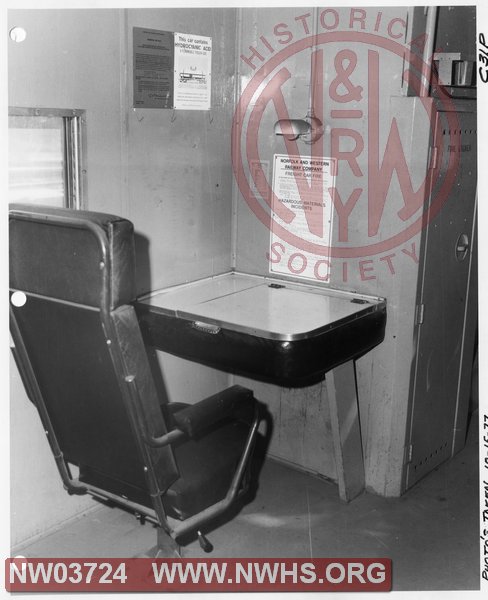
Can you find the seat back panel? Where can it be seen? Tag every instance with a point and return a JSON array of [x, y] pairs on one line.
[[74, 371], [66, 324], [56, 255]]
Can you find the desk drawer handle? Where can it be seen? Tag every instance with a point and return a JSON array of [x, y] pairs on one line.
[[206, 327]]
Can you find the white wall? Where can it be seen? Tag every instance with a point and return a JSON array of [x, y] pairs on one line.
[[179, 181], [383, 373], [170, 174], [70, 59]]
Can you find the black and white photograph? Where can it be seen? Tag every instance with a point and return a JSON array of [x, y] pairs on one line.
[[246, 297]]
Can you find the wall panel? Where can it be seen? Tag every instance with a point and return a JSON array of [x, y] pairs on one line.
[[168, 172], [67, 55], [384, 373]]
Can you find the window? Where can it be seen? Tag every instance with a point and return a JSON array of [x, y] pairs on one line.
[[45, 155]]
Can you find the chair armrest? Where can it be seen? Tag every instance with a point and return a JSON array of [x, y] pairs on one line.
[[234, 401]]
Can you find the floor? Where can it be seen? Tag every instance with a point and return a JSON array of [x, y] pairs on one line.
[[431, 533]]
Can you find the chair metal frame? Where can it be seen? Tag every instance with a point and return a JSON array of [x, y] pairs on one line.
[[168, 534]]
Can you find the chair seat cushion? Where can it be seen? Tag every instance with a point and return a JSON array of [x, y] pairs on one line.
[[206, 465]]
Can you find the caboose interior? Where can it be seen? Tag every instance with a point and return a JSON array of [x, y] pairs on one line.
[[368, 437]]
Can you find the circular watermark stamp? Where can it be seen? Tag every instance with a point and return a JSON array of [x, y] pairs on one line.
[[380, 166]]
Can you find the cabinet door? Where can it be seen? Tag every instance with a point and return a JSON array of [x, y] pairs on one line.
[[445, 337]]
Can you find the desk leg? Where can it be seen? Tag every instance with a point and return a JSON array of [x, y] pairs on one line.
[[346, 433]]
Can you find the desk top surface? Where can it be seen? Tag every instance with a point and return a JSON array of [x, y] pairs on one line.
[[270, 307]]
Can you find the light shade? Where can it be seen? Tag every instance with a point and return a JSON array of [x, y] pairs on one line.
[[310, 129], [292, 128]]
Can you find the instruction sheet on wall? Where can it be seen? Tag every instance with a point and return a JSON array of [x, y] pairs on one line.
[[171, 70], [302, 210], [153, 68], [193, 65]]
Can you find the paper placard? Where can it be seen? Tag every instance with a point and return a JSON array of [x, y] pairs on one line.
[[193, 65], [301, 184], [171, 70], [153, 68]]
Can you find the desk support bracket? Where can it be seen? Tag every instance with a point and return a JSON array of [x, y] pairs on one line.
[[346, 432]]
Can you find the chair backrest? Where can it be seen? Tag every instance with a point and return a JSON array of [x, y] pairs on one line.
[[81, 343]]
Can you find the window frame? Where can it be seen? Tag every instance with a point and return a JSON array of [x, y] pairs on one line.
[[74, 122]]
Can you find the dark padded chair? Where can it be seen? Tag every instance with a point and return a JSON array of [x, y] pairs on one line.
[[84, 365]]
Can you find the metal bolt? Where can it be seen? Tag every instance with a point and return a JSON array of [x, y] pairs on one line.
[[109, 342]]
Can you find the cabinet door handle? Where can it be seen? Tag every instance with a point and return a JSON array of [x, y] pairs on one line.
[[462, 246]]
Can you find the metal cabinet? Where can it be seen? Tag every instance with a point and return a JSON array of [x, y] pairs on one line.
[[446, 318]]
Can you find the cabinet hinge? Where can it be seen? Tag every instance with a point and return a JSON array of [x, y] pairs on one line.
[[419, 318], [408, 454]]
